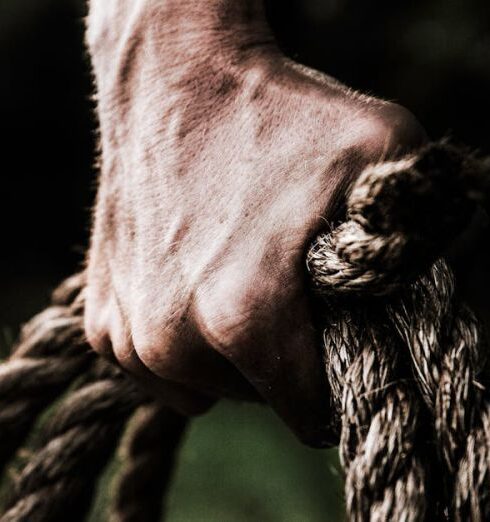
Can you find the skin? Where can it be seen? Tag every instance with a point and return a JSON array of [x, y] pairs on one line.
[[220, 161]]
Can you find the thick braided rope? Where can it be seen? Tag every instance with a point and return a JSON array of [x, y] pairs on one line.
[[447, 353], [148, 455], [382, 244], [81, 436], [385, 478], [401, 216], [51, 353]]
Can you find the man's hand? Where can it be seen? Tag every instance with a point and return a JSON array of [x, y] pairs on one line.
[[220, 161]]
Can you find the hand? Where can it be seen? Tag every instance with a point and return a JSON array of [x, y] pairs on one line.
[[220, 162]]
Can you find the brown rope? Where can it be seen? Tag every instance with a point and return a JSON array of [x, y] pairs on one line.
[[148, 458], [60, 477], [383, 243], [84, 431], [385, 478], [446, 348], [51, 353]]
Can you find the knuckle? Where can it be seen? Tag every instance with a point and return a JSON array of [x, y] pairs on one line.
[[226, 330], [146, 346], [387, 131], [105, 328], [124, 354], [98, 339], [404, 127], [231, 312], [96, 330], [162, 334], [157, 347]]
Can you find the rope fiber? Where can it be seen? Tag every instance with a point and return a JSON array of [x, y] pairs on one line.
[[404, 356]]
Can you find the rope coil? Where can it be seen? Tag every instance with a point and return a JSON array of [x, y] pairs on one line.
[[405, 360]]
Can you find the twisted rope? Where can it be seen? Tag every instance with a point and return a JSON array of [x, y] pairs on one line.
[[385, 478], [401, 216], [59, 479], [148, 459], [447, 354], [380, 247], [84, 431], [51, 353]]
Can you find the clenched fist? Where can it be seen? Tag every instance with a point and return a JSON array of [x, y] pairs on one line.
[[220, 161]]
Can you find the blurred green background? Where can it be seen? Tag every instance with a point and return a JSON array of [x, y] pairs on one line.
[[240, 464], [433, 56]]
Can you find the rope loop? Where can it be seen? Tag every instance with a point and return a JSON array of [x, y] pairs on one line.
[[401, 216]]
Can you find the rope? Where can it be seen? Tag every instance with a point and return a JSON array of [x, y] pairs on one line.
[[404, 358], [51, 353], [380, 247], [84, 431], [59, 479], [148, 459], [401, 216], [385, 478], [447, 349]]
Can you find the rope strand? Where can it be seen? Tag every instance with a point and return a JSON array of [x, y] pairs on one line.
[[80, 440], [385, 479], [446, 349], [148, 460], [50, 355]]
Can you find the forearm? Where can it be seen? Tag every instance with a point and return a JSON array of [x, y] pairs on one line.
[[142, 45], [205, 21], [148, 53]]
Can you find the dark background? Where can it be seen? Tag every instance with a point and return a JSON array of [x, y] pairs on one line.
[[433, 56]]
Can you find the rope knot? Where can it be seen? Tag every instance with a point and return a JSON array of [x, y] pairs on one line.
[[401, 215]]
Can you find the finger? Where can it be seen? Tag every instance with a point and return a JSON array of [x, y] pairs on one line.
[[285, 365], [176, 396], [278, 352]]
